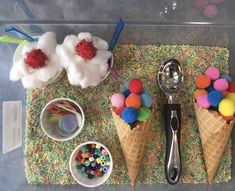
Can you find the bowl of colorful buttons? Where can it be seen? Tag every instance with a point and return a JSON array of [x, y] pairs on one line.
[[91, 164], [62, 119]]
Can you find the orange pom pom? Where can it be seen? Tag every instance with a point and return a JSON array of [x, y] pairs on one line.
[[199, 92], [133, 101], [203, 81], [227, 118]]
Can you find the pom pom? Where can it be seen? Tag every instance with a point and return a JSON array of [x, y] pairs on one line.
[[86, 50], [36, 58], [118, 100], [129, 115], [200, 4], [210, 11], [143, 114], [216, 2], [119, 110], [146, 100], [203, 81], [225, 93], [213, 73], [203, 102], [227, 107], [226, 77], [126, 93], [221, 84], [210, 88], [136, 86], [231, 96], [232, 87], [215, 97], [227, 118], [199, 92], [133, 101]]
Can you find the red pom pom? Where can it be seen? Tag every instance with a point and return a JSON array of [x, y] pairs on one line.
[[36, 58], [119, 110], [86, 50], [136, 86], [232, 87]]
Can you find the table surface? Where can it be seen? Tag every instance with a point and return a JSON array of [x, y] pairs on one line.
[[12, 175]]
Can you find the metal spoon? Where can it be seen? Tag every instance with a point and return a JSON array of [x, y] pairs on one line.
[[170, 78]]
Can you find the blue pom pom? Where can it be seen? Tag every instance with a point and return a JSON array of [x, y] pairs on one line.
[[215, 97], [210, 88], [146, 100], [126, 93], [226, 77], [129, 115]]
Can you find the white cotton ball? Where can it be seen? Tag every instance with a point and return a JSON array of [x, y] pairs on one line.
[[70, 42], [104, 54], [15, 74], [31, 81], [99, 60], [100, 44], [22, 67], [46, 73], [103, 69], [85, 35], [27, 48], [92, 76], [64, 56], [75, 74], [50, 70], [47, 42]]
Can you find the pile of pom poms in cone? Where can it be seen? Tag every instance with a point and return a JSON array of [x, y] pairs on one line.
[[216, 92], [133, 104]]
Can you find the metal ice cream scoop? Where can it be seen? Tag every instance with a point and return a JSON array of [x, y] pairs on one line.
[[170, 78]]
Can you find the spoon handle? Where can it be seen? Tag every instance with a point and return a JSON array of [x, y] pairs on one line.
[[172, 117]]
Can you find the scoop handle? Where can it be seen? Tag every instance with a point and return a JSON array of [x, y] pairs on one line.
[[172, 117]]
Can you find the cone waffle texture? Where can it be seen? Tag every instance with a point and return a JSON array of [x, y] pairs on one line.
[[214, 133], [133, 143]]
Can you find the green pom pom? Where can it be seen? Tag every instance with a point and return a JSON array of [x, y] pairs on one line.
[[143, 114]]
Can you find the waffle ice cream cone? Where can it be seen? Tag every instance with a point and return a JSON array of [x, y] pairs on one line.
[[214, 132], [133, 143]]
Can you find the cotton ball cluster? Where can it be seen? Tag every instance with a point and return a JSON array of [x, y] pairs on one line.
[[85, 59], [36, 63]]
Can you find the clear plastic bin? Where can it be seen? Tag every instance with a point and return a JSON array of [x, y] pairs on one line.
[[146, 22]]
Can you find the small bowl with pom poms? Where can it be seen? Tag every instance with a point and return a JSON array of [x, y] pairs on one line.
[[91, 164]]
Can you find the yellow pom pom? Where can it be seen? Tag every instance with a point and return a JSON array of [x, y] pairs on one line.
[[227, 107], [231, 96]]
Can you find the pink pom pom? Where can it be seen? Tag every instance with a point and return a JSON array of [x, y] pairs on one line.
[[117, 100], [213, 73], [221, 84], [210, 11], [203, 102]]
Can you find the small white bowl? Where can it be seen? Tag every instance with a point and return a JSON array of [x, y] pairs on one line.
[[48, 130], [84, 181]]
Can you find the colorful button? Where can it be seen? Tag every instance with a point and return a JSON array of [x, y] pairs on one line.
[[102, 158], [91, 159], [105, 169], [102, 163], [98, 160], [87, 163], [104, 152]]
